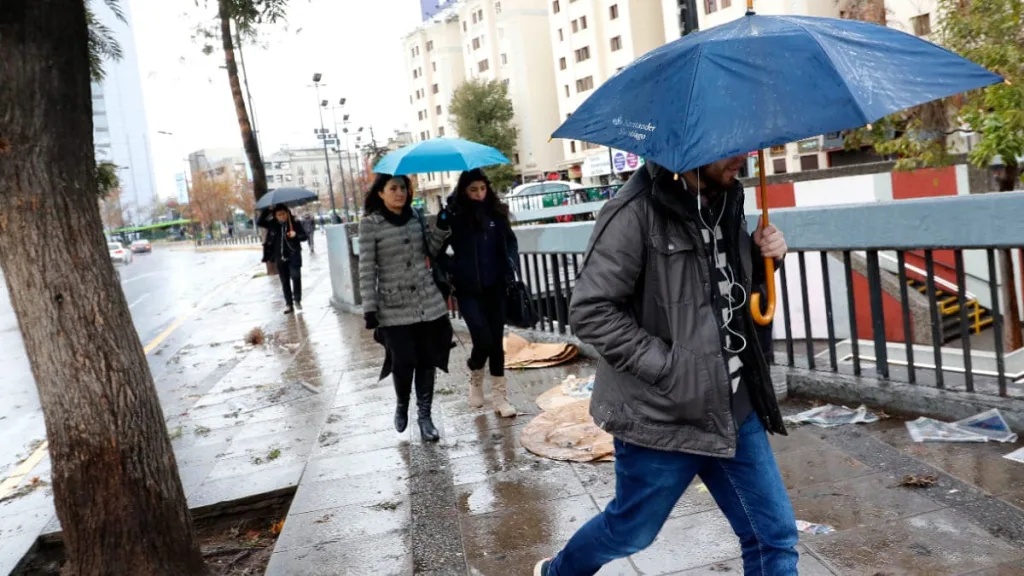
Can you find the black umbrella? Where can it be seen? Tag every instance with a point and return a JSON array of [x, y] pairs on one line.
[[286, 196]]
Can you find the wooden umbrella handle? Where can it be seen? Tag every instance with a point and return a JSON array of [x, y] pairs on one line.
[[769, 264]]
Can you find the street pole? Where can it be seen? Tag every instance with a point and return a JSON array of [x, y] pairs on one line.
[[341, 168], [327, 158]]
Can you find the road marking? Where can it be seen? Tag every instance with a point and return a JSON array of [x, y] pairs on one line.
[[12, 481], [146, 275], [138, 300]]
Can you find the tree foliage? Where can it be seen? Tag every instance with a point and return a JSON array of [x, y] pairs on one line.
[[102, 41], [482, 112], [990, 33], [107, 180]]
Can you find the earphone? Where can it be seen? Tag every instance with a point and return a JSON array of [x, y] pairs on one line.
[[730, 277]]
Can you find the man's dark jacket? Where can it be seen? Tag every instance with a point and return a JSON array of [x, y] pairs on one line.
[[277, 233], [644, 301]]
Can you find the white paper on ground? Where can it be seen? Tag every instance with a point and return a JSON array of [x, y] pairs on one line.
[[929, 430], [829, 415], [1017, 455], [990, 424]]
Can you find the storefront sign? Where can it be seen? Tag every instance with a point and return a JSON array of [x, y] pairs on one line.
[[809, 145]]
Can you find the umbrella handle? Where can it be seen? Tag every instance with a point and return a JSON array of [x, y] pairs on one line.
[[769, 264]]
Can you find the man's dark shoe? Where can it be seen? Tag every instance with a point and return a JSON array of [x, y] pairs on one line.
[[298, 305], [541, 569], [289, 310]]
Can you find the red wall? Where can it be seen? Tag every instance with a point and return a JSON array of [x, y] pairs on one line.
[[924, 183], [890, 308], [779, 196]]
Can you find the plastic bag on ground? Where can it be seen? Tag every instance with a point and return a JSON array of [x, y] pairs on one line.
[[829, 415], [930, 430], [1017, 455], [990, 424], [811, 528]]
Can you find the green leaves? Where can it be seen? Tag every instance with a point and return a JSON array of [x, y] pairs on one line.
[[482, 112], [107, 181], [102, 41]]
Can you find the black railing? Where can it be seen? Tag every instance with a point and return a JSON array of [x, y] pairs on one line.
[[242, 239]]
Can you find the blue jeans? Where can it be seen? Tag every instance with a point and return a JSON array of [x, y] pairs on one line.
[[648, 483]]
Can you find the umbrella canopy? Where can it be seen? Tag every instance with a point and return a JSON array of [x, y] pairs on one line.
[[286, 196], [439, 155], [762, 81]]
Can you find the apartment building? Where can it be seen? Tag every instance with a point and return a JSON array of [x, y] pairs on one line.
[[592, 40], [307, 168], [680, 17], [487, 40]]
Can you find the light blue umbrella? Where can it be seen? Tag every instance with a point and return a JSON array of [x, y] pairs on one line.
[[762, 81], [439, 155]]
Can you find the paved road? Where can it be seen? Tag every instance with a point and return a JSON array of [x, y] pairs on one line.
[[160, 288]]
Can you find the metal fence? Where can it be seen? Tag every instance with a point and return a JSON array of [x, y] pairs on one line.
[[910, 290]]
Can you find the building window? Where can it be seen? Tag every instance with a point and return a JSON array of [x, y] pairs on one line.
[[922, 24], [433, 66], [476, 43], [438, 110], [583, 22], [575, 26], [561, 36], [415, 74], [435, 88], [484, 65], [313, 171], [430, 45], [572, 146], [463, 26], [809, 162], [410, 98], [440, 130], [562, 65], [504, 59], [302, 181], [711, 6], [584, 84], [726, 4], [583, 54], [567, 93], [480, 15], [555, 8], [779, 165], [419, 115], [613, 12], [616, 43], [501, 33], [590, 146], [474, 17], [516, 158]]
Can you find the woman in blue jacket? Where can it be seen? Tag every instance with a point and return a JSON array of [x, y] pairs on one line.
[[484, 263]]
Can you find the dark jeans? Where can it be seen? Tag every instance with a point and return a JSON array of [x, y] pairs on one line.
[[484, 314], [312, 236], [291, 280], [648, 483]]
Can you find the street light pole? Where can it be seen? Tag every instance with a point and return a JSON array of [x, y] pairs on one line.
[[323, 136], [344, 192]]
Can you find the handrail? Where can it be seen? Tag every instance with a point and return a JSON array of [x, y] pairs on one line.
[[945, 283]]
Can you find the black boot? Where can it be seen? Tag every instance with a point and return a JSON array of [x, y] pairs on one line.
[[424, 400], [403, 390]]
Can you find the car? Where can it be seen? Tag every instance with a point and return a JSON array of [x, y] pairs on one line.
[[141, 246], [537, 195], [118, 253]]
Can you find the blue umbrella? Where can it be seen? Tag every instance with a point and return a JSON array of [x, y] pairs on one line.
[[762, 81], [439, 155]]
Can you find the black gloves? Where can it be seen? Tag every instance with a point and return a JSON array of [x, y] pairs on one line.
[[371, 320], [444, 219]]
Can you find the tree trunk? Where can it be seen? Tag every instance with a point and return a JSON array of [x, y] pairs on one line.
[[115, 481], [1012, 338], [252, 147]]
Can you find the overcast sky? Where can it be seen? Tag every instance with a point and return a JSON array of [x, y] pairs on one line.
[[355, 44]]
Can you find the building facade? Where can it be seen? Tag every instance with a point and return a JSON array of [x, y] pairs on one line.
[[485, 40], [593, 40], [120, 131], [307, 168]]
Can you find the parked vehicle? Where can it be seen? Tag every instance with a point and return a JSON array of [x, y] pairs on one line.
[[119, 254], [141, 246], [537, 195]]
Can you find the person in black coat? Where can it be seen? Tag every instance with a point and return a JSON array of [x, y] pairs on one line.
[[283, 247], [484, 264]]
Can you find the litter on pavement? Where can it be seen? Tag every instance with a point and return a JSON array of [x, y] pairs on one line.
[[930, 430], [828, 416], [982, 427], [521, 353], [570, 390], [568, 433], [990, 424], [1017, 455], [811, 528]]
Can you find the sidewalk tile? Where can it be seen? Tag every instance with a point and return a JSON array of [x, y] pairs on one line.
[[528, 485], [1010, 569], [942, 542], [523, 562], [799, 438], [345, 523], [863, 501], [808, 566], [269, 479], [391, 462], [511, 530], [330, 444], [384, 555], [370, 488], [258, 464], [688, 542], [818, 465]]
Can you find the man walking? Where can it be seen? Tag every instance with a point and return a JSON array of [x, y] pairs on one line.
[[682, 384], [283, 247], [310, 226]]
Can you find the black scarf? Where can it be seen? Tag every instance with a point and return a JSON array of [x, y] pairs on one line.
[[398, 219]]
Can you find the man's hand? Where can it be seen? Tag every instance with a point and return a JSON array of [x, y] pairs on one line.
[[291, 233], [771, 242]]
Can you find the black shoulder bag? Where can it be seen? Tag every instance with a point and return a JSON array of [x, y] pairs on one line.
[[440, 277]]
